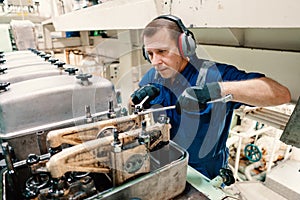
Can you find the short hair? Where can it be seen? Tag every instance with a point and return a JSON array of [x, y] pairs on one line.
[[159, 23]]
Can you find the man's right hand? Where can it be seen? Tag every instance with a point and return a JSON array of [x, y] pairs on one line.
[[195, 98], [147, 90]]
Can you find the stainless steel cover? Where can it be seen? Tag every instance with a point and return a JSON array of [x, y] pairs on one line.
[[18, 54], [40, 101], [21, 63], [21, 58], [14, 75]]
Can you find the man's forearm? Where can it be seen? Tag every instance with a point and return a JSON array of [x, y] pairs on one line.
[[257, 92]]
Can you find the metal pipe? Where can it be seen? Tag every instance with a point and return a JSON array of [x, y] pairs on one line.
[[151, 110], [251, 167], [272, 155], [11, 172], [237, 158]]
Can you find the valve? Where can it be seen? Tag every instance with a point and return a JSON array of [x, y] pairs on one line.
[[52, 60], [42, 55], [2, 70], [71, 70], [4, 85], [38, 180], [47, 56], [84, 78], [225, 177], [33, 50], [32, 159], [31, 192], [252, 153], [56, 189], [60, 64], [38, 52]]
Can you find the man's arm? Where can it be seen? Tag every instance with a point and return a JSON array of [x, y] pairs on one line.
[[257, 92]]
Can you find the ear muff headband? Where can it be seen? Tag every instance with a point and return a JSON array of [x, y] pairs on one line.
[[186, 40]]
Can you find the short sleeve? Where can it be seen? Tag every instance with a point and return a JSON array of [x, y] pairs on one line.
[[231, 73]]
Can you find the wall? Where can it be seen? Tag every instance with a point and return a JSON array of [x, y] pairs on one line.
[[282, 66]]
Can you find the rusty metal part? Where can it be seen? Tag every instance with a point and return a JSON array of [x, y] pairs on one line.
[[129, 163], [12, 175], [79, 134], [76, 135], [94, 155], [79, 189], [264, 115], [159, 182]]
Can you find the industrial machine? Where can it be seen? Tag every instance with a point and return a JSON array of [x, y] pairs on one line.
[[125, 157], [66, 137], [33, 107], [95, 160], [38, 64]]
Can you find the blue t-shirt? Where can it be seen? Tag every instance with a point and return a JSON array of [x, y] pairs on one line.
[[202, 133]]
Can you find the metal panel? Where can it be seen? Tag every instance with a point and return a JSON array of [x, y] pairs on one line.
[[227, 13], [52, 99], [236, 13], [15, 75], [117, 14], [284, 179], [291, 133]]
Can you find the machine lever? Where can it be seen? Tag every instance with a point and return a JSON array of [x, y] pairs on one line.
[[224, 99], [156, 110]]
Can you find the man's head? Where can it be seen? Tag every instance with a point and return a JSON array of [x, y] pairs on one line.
[[167, 44]]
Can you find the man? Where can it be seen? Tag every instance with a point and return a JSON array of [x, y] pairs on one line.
[[179, 78]]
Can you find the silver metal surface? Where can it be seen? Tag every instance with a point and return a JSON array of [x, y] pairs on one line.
[[151, 110], [224, 99], [30, 109], [52, 99], [291, 132], [19, 74]]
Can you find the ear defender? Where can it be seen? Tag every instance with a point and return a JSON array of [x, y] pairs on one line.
[[145, 54], [186, 40]]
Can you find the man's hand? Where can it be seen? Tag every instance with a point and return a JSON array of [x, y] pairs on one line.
[[147, 90], [195, 98]]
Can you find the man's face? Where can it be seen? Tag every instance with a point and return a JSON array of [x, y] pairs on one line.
[[164, 54]]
